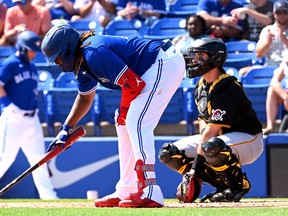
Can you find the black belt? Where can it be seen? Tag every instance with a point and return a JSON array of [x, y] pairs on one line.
[[30, 114], [166, 45]]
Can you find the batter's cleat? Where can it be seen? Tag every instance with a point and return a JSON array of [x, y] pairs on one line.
[[107, 201], [135, 201], [142, 203]]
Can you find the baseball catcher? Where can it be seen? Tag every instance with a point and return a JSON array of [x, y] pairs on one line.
[[231, 135]]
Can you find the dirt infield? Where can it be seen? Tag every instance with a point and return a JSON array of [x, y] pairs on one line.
[[168, 204]]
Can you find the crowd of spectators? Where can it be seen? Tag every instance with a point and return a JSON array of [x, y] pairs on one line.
[[262, 21], [227, 19]]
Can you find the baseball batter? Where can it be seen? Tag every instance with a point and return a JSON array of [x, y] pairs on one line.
[[232, 134], [148, 73], [19, 123]]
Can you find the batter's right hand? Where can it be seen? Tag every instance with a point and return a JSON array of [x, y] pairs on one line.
[[61, 137], [120, 115]]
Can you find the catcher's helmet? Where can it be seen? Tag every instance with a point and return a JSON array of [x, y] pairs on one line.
[[28, 40], [215, 48], [61, 40]]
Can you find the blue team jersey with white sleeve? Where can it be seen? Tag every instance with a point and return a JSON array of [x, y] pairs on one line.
[[105, 61], [19, 78]]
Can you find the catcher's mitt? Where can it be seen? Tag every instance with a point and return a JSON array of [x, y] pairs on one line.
[[189, 189]]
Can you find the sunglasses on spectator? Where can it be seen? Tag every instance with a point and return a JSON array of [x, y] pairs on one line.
[[281, 12]]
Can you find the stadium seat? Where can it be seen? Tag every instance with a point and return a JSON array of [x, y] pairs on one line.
[[109, 101], [232, 71], [190, 108], [6, 51], [191, 111], [124, 27], [9, 3], [255, 84], [66, 79], [86, 25], [174, 112], [59, 100], [239, 60], [40, 59], [243, 2], [243, 49], [45, 83], [257, 96], [166, 28], [240, 46], [45, 80], [259, 75], [182, 8]]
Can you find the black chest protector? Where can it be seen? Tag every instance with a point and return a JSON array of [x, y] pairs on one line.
[[204, 92]]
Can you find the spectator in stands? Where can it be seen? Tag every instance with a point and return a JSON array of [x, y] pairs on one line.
[[276, 95], [3, 10], [257, 15], [217, 16], [101, 10], [144, 10], [273, 41], [59, 9], [196, 27], [25, 16]]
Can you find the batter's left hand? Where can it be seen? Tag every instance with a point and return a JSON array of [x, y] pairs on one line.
[[61, 137]]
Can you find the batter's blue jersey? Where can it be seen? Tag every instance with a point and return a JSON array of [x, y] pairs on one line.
[[19, 78], [108, 57]]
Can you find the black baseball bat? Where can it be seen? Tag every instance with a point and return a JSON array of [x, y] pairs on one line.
[[73, 137]]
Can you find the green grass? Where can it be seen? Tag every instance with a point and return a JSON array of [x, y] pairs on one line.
[[143, 212], [182, 211]]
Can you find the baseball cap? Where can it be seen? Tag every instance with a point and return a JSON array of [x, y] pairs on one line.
[[280, 5]]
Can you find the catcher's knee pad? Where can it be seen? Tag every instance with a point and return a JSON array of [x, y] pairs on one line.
[[224, 163], [175, 159], [215, 151]]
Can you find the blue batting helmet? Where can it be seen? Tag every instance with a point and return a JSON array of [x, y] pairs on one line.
[[28, 40], [61, 40]]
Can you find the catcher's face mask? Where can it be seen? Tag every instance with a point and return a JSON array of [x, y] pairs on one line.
[[200, 63]]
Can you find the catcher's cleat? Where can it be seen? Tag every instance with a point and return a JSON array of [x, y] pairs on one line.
[[107, 201], [135, 201], [228, 196]]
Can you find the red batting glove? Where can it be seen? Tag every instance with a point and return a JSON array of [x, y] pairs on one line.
[[121, 120]]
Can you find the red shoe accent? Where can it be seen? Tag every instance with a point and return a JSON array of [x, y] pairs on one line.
[[107, 201], [135, 201], [142, 203]]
